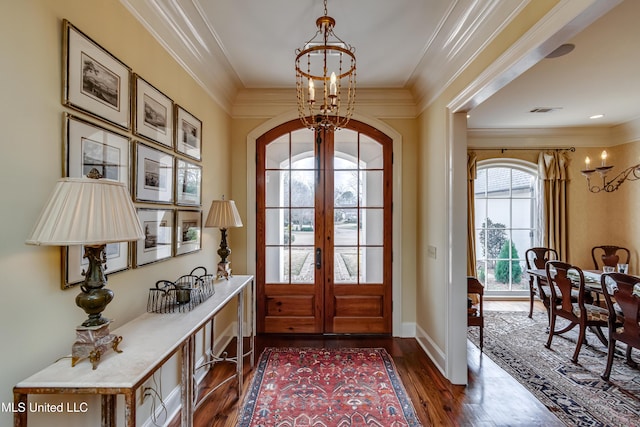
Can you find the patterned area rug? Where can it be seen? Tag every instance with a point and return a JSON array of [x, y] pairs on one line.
[[319, 387], [574, 392]]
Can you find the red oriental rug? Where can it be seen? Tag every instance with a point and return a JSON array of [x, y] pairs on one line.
[[319, 387]]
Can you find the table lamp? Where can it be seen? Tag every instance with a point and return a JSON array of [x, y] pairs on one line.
[[223, 214], [91, 212]]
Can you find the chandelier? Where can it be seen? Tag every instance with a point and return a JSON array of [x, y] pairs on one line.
[[325, 78], [631, 173]]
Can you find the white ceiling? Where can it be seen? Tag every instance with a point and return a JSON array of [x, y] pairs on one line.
[[232, 45]]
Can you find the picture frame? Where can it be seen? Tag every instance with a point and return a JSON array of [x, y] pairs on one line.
[[157, 245], [86, 146], [188, 183], [153, 113], [153, 175], [94, 81], [188, 231], [188, 134]]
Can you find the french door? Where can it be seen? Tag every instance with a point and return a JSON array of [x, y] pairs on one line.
[[324, 230]]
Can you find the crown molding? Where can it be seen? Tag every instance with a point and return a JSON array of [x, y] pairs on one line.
[[380, 103], [192, 44]]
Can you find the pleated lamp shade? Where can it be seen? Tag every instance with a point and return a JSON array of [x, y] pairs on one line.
[[86, 211], [223, 214]]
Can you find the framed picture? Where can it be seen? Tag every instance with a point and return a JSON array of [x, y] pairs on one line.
[[153, 175], [95, 81], [89, 146], [153, 115], [157, 244], [188, 231], [188, 134], [188, 183]]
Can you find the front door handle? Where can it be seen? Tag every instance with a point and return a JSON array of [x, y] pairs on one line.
[[318, 258]]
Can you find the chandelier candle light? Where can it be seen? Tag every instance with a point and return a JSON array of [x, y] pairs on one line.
[[325, 78], [91, 212], [632, 173]]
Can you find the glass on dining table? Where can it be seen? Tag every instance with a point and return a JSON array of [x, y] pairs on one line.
[[623, 268], [608, 269]]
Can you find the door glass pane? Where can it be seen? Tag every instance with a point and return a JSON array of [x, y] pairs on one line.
[[372, 193], [302, 147], [302, 265], [277, 230], [371, 226], [370, 153], [277, 188], [302, 188], [302, 227], [276, 261], [345, 154], [345, 266], [371, 264], [277, 153], [345, 227], [345, 188]]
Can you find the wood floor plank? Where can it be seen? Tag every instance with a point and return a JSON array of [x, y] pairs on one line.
[[492, 397]]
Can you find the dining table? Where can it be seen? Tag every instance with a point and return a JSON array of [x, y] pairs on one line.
[[591, 278]]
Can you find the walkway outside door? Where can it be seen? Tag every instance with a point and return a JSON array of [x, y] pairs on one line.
[[324, 230]]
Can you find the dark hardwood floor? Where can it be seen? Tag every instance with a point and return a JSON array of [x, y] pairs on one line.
[[492, 397]]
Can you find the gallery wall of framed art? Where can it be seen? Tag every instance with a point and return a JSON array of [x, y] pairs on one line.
[[132, 132]]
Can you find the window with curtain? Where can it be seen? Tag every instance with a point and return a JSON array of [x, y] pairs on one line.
[[506, 212]]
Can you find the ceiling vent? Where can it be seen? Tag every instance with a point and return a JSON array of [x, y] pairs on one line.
[[544, 109]]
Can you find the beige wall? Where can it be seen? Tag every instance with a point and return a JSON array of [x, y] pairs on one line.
[[440, 331], [38, 318], [604, 218]]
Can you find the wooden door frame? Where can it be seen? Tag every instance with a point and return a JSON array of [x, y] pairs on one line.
[[400, 327]]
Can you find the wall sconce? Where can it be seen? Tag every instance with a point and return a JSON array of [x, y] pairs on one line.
[[631, 173]]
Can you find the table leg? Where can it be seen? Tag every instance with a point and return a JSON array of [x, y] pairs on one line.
[[239, 350], [129, 408], [108, 410], [20, 409], [186, 414]]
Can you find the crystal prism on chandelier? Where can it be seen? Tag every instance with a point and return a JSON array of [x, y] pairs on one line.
[[325, 78]]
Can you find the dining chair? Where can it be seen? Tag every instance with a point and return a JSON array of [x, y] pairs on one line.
[[608, 255], [564, 277], [623, 314], [536, 258], [475, 313]]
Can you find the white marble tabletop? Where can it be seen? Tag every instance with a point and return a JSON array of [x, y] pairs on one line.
[[147, 341]]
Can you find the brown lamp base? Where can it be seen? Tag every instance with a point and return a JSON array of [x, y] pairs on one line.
[[92, 342]]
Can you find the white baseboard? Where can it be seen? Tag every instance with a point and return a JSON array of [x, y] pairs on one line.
[[433, 351], [408, 330]]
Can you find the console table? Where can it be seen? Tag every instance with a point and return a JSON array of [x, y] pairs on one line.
[[148, 342]]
